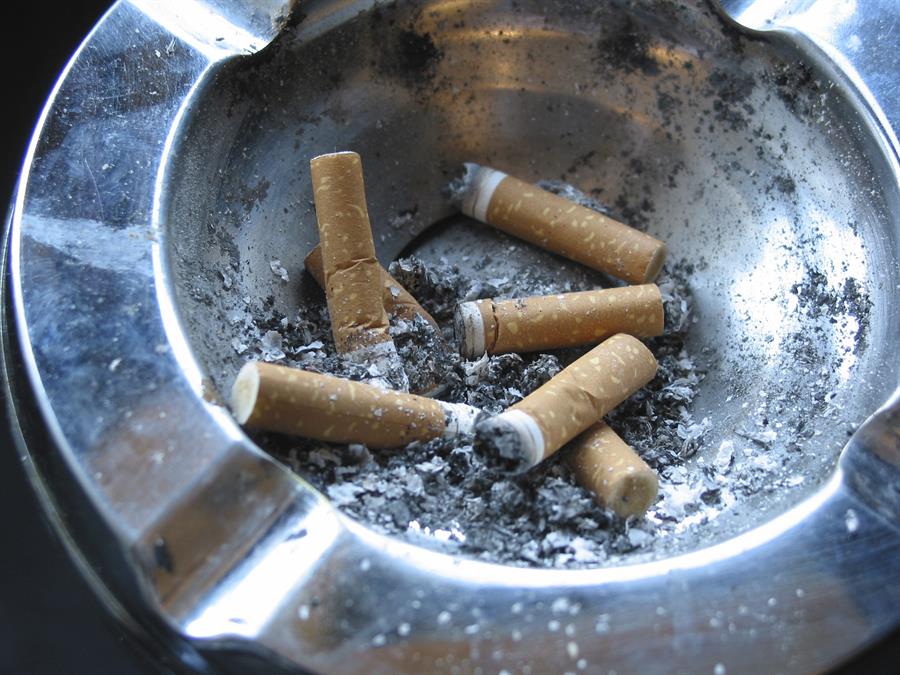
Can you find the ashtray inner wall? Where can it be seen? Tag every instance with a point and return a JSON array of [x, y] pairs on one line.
[[750, 164]]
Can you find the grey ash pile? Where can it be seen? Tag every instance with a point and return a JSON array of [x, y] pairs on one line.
[[450, 496]]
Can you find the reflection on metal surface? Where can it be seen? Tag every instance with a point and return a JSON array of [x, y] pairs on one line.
[[218, 28], [168, 313], [90, 241], [141, 186], [852, 37], [757, 293], [244, 604]]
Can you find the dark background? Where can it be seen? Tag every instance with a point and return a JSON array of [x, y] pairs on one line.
[[50, 621]]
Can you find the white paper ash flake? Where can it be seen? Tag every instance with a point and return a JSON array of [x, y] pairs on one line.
[[270, 345], [278, 270], [638, 537], [724, 457], [344, 493]]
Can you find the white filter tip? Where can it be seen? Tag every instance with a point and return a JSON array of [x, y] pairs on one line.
[[478, 198], [470, 330], [529, 433]]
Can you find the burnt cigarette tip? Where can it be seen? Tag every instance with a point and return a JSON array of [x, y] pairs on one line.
[[459, 187], [244, 392], [513, 437], [634, 494], [468, 330]]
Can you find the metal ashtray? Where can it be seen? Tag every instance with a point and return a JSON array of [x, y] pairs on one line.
[[757, 141]]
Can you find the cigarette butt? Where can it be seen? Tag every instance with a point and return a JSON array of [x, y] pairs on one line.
[[399, 302], [555, 321], [333, 409], [576, 398], [559, 225], [352, 275], [607, 466], [395, 299]]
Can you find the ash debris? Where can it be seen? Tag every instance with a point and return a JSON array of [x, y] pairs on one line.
[[437, 289], [627, 49], [731, 91], [445, 494], [818, 299], [432, 366]]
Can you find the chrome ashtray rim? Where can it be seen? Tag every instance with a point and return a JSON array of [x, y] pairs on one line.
[[205, 616]]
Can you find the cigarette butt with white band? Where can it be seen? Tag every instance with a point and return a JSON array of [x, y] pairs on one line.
[[559, 225], [352, 275], [576, 398], [333, 409], [395, 299], [556, 321], [607, 466]]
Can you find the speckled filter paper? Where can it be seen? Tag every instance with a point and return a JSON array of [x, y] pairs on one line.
[[578, 233], [353, 283], [395, 299], [588, 389], [607, 466], [328, 408], [570, 319]]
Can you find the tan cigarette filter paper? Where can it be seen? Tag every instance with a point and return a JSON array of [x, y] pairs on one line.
[[586, 390], [563, 320], [556, 224], [328, 408], [353, 284], [394, 298], [607, 466]]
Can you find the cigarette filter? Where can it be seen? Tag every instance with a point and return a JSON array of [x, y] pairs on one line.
[[399, 302], [328, 408], [353, 285], [556, 224], [576, 398], [554, 321], [606, 465], [395, 299]]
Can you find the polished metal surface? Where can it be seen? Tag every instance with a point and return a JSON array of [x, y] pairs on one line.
[[851, 36], [175, 147]]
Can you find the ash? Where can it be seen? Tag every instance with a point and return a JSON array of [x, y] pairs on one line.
[[447, 495]]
